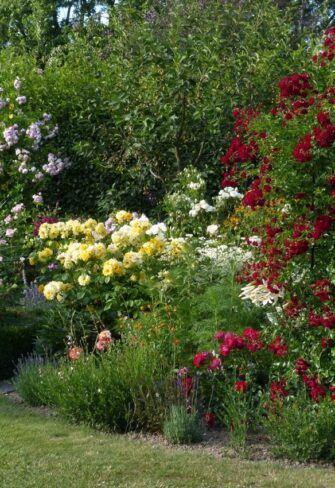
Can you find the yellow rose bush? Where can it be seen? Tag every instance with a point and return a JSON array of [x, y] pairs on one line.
[[104, 265]]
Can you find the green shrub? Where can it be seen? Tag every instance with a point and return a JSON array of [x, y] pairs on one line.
[[128, 387], [16, 340], [302, 431], [182, 427]]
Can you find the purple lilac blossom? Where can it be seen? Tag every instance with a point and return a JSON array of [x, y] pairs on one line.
[[17, 83], [55, 165], [23, 169], [11, 135], [37, 198], [34, 132], [109, 225], [21, 100]]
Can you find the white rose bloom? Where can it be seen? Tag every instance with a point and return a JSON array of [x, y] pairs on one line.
[[212, 229], [157, 229]]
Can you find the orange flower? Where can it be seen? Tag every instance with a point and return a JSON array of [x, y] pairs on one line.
[[75, 353]]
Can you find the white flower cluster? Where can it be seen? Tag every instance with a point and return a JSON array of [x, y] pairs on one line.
[[199, 206], [195, 185], [212, 229], [228, 192], [157, 230], [223, 255]]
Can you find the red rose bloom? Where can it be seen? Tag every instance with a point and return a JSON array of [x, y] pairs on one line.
[[209, 419], [322, 224], [241, 386], [200, 358], [186, 385], [215, 364], [278, 348], [301, 366], [301, 152], [324, 343], [278, 391], [219, 336]]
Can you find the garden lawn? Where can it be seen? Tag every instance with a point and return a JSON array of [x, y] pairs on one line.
[[43, 452]]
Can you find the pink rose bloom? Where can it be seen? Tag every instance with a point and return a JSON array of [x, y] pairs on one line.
[[8, 219], [10, 232], [18, 208], [182, 371], [100, 346]]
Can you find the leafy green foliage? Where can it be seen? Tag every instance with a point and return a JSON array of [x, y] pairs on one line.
[[127, 388], [302, 431]]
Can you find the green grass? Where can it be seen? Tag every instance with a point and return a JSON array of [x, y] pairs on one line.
[[43, 452]]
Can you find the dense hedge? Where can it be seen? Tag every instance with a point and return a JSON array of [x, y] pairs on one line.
[[15, 341]]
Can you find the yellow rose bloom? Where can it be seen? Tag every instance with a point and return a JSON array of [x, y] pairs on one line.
[[177, 246], [123, 216], [84, 280], [141, 225], [101, 231], [43, 231], [53, 232], [112, 267], [90, 224], [86, 255], [32, 260], [45, 254], [158, 243], [99, 250], [132, 259], [147, 249], [76, 227], [52, 289]]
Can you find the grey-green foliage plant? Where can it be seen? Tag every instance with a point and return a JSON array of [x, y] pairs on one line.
[[181, 426], [301, 430], [36, 380]]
